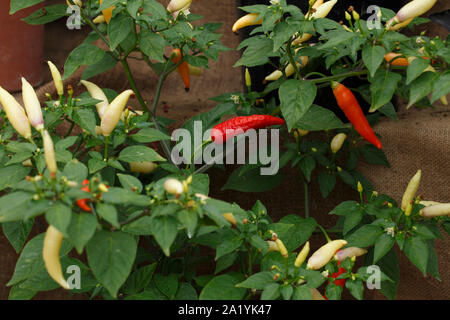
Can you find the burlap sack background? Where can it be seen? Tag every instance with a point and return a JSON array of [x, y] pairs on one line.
[[421, 139]]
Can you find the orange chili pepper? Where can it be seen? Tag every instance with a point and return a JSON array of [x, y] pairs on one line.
[[82, 203], [183, 68], [400, 62], [107, 13]]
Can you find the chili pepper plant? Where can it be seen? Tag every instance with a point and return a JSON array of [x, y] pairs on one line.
[[124, 221]]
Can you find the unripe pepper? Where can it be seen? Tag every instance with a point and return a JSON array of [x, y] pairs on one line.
[[348, 103], [15, 113], [112, 114], [173, 186], [248, 78], [176, 5], [337, 142], [107, 13], [324, 254], [238, 125], [52, 246], [349, 253], [412, 9], [195, 71], [143, 166], [99, 19], [289, 71], [250, 19], [411, 190], [282, 248], [273, 245], [32, 105], [230, 218], [49, 154], [57, 80], [183, 68], [302, 255], [97, 93], [400, 25], [437, 210]]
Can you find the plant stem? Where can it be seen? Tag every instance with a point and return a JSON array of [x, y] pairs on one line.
[[305, 187], [106, 148], [291, 59], [324, 232], [339, 76], [72, 124]]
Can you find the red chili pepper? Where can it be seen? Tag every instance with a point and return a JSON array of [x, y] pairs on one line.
[[348, 103], [235, 126], [82, 203], [338, 282], [183, 68]]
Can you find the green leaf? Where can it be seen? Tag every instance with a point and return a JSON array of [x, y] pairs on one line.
[[251, 180], [168, 285], [119, 28], [75, 171], [130, 182], [17, 232], [415, 69], [416, 250], [111, 256], [59, 216], [373, 155], [186, 292], [140, 227], [382, 87], [139, 153], [299, 233], [352, 219], [259, 50], [257, 281], [121, 196], [133, 7], [344, 207], [18, 293], [152, 45], [81, 229], [433, 263], [225, 262], [356, 288], [139, 279], [307, 165], [164, 229], [271, 292], [327, 182], [286, 292], [189, 220], [17, 5], [318, 119], [85, 118], [11, 175], [389, 266], [364, 236], [302, 293], [84, 54], [108, 213], [96, 165], [105, 64], [228, 245], [333, 292], [223, 288], [421, 87], [441, 87], [383, 245], [296, 97], [148, 135], [373, 56], [47, 14]]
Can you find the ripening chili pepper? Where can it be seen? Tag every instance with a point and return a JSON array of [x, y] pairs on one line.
[[315, 294], [339, 282], [437, 210], [230, 218], [32, 105], [238, 125], [349, 253], [50, 252], [282, 248], [143, 167], [348, 103], [398, 26], [56, 75], [195, 71], [250, 19], [411, 190], [273, 245], [393, 59], [183, 68], [114, 111], [289, 71], [82, 203], [107, 13], [412, 9], [15, 113], [324, 254], [97, 93], [99, 19], [49, 154]]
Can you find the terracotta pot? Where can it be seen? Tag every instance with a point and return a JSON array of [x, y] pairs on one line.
[[21, 48]]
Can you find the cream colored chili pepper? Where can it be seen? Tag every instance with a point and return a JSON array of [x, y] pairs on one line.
[[428, 203], [176, 5], [324, 254], [15, 113], [349, 253], [282, 248], [32, 105], [437, 210], [173, 186], [411, 190], [97, 93], [315, 294], [112, 114], [412, 9], [301, 257], [289, 71], [99, 19], [57, 80], [273, 245], [49, 153], [52, 246], [143, 167], [250, 19], [398, 26], [337, 142]]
